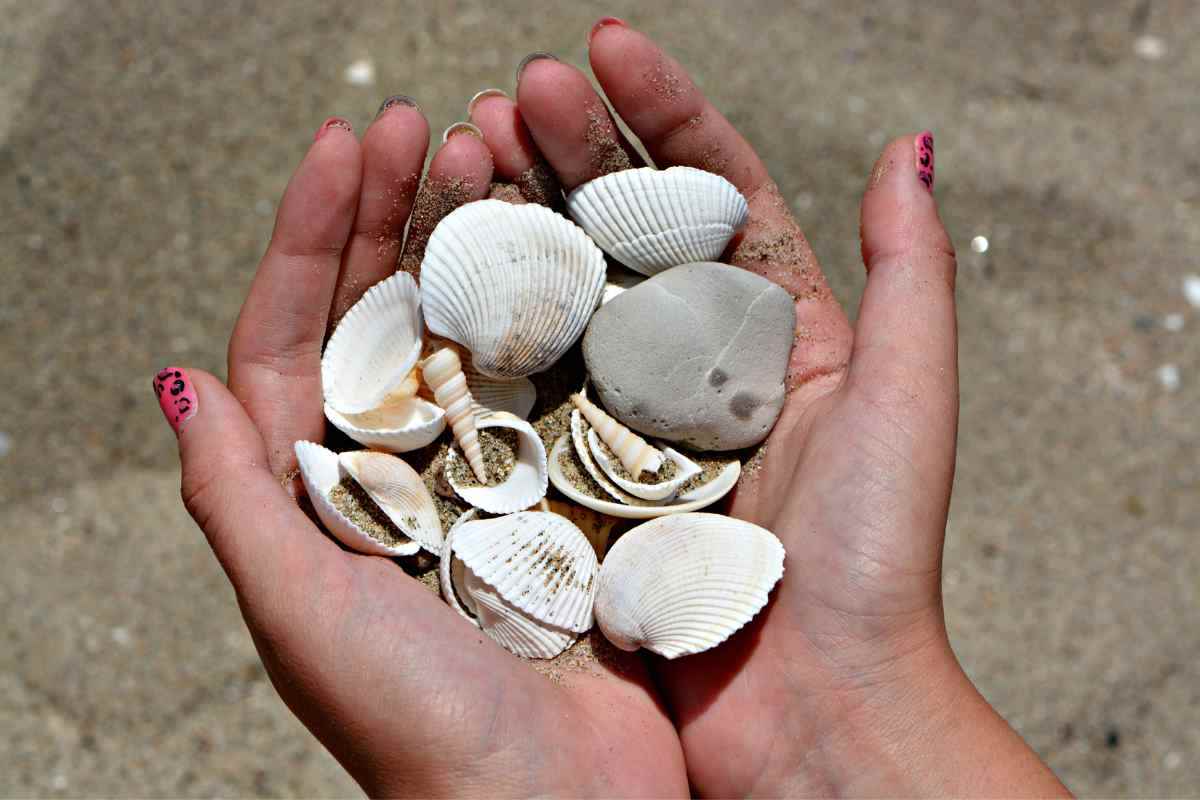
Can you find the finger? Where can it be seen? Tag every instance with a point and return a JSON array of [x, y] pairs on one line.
[[265, 543], [393, 153], [678, 126], [515, 156], [569, 122], [905, 359], [275, 351], [460, 172]]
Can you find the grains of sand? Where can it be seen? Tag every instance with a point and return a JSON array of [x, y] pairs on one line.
[[507, 192], [666, 472], [500, 446], [436, 198], [605, 153], [538, 184], [350, 499]]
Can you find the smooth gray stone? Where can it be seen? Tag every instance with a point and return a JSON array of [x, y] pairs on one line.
[[697, 354]]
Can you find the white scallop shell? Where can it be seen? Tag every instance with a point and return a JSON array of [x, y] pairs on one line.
[[515, 285], [685, 583], [530, 475], [537, 561], [686, 469], [366, 363], [321, 470], [515, 396], [651, 220], [693, 500], [400, 492], [481, 605]]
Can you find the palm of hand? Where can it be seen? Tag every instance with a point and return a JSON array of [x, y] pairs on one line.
[[855, 478]]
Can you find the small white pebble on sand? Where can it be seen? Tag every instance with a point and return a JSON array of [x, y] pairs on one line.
[[1149, 47], [1173, 322], [59, 782], [856, 104], [58, 504], [1168, 376], [360, 73], [979, 244], [121, 636], [1172, 760], [5, 444], [35, 241], [803, 201], [1191, 289]]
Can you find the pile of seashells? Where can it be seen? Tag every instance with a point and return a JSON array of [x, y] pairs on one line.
[[505, 292]]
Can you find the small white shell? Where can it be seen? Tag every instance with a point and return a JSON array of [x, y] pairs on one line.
[[399, 491], [635, 453], [685, 583], [537, 561], [514, 284], [664, 490], [515, 396], [579, 438], [703, 495], [529, 479], [321, 470], [651, 220], [483, 606], [366, 370]]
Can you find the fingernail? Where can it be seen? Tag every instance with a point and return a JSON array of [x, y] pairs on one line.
[[529, 59], [397, 100], [330, 124], [176, 396], [924, 146], [460, 127], [480, 95], [602, 22]]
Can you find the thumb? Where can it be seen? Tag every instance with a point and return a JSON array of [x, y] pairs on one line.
[[265, 543], [904, 363]]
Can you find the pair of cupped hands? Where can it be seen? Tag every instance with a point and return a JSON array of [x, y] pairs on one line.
[[844, 684]]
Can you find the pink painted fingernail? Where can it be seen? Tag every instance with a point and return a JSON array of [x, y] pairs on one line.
[[176, 396], [602, 22], [330, 124], [924, 146]]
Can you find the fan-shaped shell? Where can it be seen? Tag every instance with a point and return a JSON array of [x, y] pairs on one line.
[[651, 220], [482, 605], [366, 371], [515, 285], [537, 561], [516, 396], [685, 583], [322, 470], [686, 469], [526, 484], [400, 492]]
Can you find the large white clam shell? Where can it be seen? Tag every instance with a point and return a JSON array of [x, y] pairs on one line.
[[529, 479], [400, 492], [651, 220], [686, 469], [484, 606], [321, 470], [685, 583], [514, 284], [366, 362]]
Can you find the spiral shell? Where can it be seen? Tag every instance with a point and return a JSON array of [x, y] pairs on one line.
[[524, 486], [443, 372], [635, 453]]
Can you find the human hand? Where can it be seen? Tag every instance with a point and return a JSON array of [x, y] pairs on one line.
[[846, 683], [410, 699]]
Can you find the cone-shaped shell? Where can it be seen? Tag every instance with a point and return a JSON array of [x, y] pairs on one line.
[[539, 562], [515, 285], [685, 583], [366, 371], [443, 372], [651, 220], [400, 492], [635, 453], [525, 485], [685, 470], [321, 470]]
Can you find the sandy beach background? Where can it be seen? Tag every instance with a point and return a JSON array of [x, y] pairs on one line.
[[143, 146]]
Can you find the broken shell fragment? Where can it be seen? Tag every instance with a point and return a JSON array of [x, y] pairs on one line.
[[443, 372], [399, 491], [634, 452], [514, 284], [525, 484], [685, 583], [651, 220], [322, 472], [684, 470], [367, 371]]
